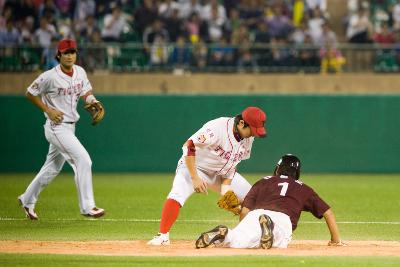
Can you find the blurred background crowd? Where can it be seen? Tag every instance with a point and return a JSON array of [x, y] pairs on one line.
[[224, 35]]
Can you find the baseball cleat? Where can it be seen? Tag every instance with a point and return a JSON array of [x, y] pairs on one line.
[[96, 213], [211, 237], [267, 228], [160, 240], [29, 212]]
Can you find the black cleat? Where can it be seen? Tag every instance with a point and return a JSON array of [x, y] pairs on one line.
[[212, 236], [267, 228]]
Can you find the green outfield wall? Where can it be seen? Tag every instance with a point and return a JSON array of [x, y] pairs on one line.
[[145, 133]]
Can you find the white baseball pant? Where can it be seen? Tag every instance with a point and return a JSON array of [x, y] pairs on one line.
[[182, 187], [64, 146], [247, 233]]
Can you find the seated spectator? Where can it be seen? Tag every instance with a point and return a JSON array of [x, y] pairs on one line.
[[250, 13], [233, 22], [198, 59], [222, 54], [246, 58], [166, 8], [159, 51], [95, 56], [89, 29], [9, 36], [298, 36], [196, 29], [384, 36], [145, 16], [280, 53], [215, 25], [48, 55], [359, 28], [279, 25], [327, 36], [114, 24], [320, 4], [83, 10], [154, 33], [396, 16], [207, 11], [174, 25], [299, 8], [308, 58], [189, 7], [45, 33], [331, 60], [180, 55], [315, 25]]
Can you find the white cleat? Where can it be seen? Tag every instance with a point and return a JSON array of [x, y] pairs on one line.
[[29, 212], [160, 240], [95, 213]]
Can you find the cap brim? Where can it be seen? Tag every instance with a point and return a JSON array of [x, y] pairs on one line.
[[259, 132], [68, 49]]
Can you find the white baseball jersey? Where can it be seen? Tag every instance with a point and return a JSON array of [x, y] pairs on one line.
[[217, 149], [60, 91]]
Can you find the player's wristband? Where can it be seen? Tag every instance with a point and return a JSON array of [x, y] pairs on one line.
[[225, 188], [90, 99]]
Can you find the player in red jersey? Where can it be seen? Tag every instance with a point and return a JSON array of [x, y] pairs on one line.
[[271, 211]]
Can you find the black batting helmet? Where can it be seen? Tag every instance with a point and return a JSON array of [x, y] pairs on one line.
[[288, 165]]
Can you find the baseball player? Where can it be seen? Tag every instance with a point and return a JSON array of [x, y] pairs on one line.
[[56, 92], [271, 211], [209, 160]]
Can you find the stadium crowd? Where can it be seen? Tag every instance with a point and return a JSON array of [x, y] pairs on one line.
[[243, 34]]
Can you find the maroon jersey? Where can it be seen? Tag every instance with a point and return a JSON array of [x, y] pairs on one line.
[[286, 195]]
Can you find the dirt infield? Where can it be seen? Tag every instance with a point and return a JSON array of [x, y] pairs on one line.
[[186, 248]]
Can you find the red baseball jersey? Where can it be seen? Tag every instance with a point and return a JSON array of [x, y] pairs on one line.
[[286, 195]]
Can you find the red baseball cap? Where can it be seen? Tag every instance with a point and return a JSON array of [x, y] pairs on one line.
[[67, 44], [255, 118]]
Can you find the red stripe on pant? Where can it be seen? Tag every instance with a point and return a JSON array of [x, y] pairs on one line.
[[169, 215]]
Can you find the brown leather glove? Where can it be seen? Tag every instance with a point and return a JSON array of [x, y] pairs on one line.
[[230, 202], [96, 110]]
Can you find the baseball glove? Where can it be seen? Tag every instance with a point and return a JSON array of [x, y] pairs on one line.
[[230, 202], [96, 110]]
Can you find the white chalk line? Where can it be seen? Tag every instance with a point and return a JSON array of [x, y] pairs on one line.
[[182, 220]]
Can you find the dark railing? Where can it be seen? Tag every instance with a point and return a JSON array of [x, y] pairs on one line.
[[117, 57]]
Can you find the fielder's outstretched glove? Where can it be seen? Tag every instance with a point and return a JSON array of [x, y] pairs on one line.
[[96, 110], [230, 202]]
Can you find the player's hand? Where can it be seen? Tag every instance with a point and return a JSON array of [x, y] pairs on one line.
[[339, 243], [55, 115], [199, 185]]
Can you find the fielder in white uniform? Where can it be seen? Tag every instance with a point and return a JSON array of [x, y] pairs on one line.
[[56, 92], [209, 160]]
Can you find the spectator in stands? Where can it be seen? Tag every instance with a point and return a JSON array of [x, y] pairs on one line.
[[24, 9], [89, 29], [396, 16], [327, 36], [359, 28], [384, 36], [156, 32], [262, 34], [49, 10], [45, 33], [331, 59], [299, 8], [83, 10], [166, 8], [145, 15], [208, 10], [67, 8], [174, 25], [315, 25], [114, 24], [159, 51], [198, 58], [27, 30], [299, 35], [279, 25], [222, 54], [95, 57], [196, 29], [308, 58], [48, 59], [320, 4], [233, 22], [187, 8], [215, 25], [180, 55], [250, 13], [9, 36]]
